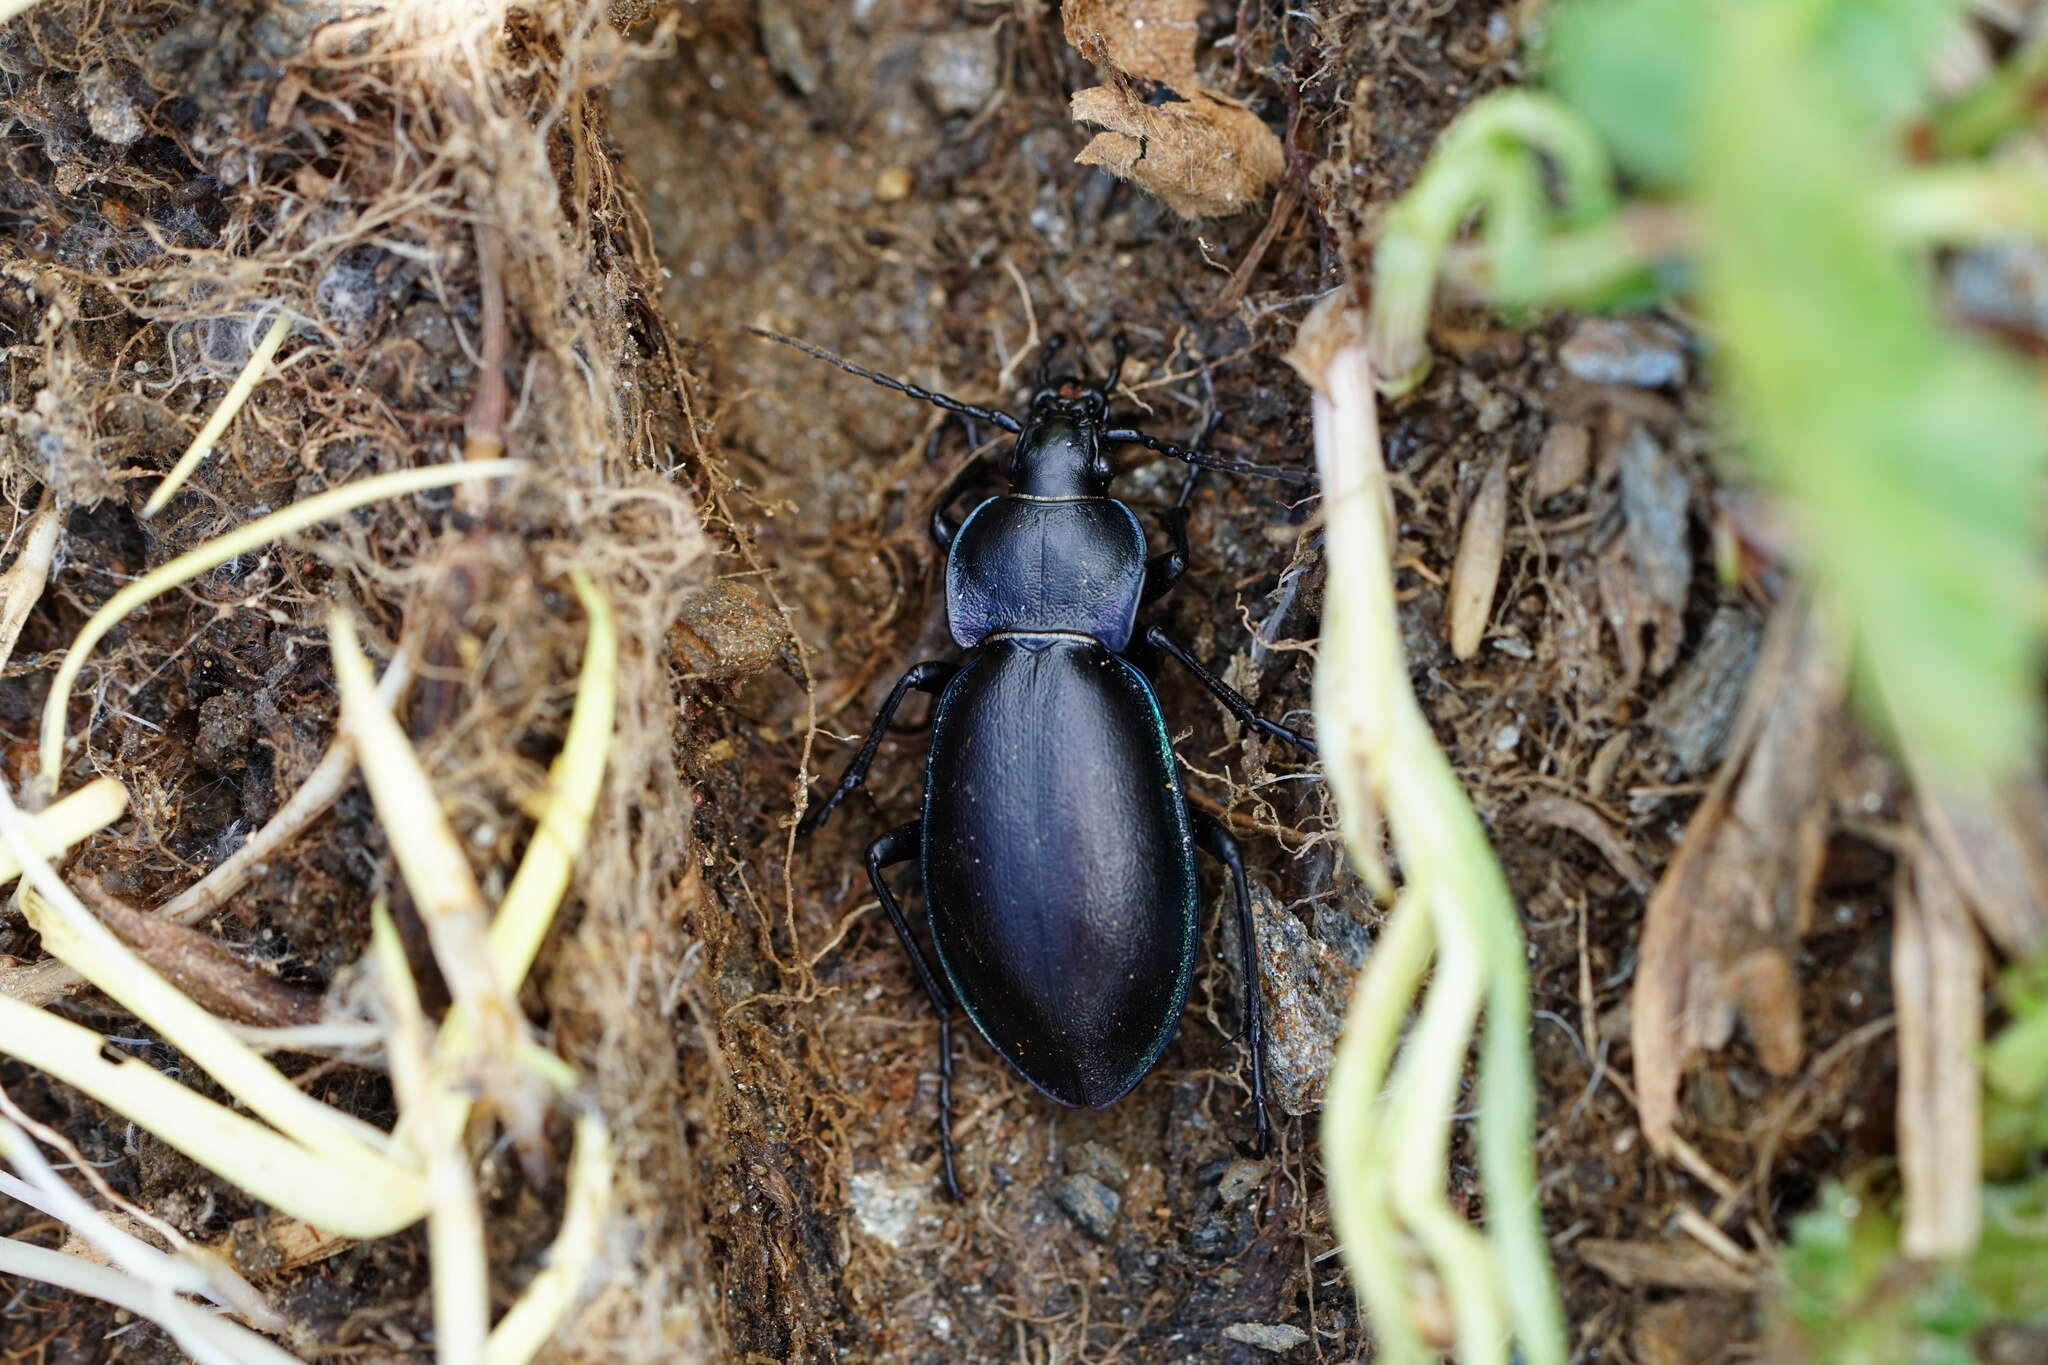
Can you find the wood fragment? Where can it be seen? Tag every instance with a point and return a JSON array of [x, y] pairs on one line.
[[1475, 573], [201, 966], [1663, 1265], [1937, 978], [1562, 463]]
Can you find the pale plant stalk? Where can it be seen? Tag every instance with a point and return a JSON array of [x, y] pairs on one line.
[[205, 1337], [1386, 1154], [455, 1221]]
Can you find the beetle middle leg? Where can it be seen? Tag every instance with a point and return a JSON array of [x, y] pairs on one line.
[[900, 845], [1233, 700], [1215, 840], [929, 676]]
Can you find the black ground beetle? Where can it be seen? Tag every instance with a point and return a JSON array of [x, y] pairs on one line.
[[1056, 845]]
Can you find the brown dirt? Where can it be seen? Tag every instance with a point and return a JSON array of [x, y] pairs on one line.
[[766, 160], [741, 1006]]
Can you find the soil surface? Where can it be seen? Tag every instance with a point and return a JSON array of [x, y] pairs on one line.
[[895, 182]]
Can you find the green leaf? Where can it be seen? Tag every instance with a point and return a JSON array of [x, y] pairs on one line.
[[1880, 50], [1634, 69]]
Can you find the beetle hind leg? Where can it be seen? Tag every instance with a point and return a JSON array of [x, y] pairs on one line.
[[1215, 840], [900, 845]]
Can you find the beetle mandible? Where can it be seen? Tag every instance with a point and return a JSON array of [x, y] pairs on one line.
[[1056, 843]]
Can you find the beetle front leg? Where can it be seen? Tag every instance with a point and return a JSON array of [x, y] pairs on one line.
[[1215, 840], [929, 676], [900, 845], [942, 526], [1233, 701]]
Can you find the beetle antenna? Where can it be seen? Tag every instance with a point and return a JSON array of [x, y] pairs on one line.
[[991, 415], [1119, 347], [1132, 436], [1051, 349]]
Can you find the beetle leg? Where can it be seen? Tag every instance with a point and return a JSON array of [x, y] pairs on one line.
[[900, 845], [1162, 571], [943, 527], [1232, 700], [930, 676], [1215, 840]]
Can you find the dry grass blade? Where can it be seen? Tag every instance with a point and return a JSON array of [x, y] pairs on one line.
[[22, 585], [204, 1337], [218, 551], [64, 823], [274, 1168], [434, 1123], [238, 394], [573, 785]]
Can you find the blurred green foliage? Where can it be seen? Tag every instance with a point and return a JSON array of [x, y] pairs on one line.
[[1910, 452], [1849, 1298]]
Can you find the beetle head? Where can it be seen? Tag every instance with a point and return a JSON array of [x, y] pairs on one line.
[[1060, 453]]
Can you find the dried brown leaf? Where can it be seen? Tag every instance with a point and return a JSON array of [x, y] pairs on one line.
[[1475, 574], [1937, 977], [1205, 156], [1720, 930], [1153, 40]]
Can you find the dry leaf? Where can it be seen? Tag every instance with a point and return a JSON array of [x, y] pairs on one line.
[[1937, 978], [1204, 154], [1153, 40], [1722, 926], [1475, 574]]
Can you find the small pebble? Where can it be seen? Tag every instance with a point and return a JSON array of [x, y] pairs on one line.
[[1090, 1203], [893, 185], [958, 71], [1092, 1158], [1267, 1336], [1243, 1178], [1633, 351]]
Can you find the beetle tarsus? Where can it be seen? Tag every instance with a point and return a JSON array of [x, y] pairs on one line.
[[1233, 700], [1215, 840], [901, 845]]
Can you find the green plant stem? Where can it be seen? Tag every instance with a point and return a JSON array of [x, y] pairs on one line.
[[1376, 743]]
